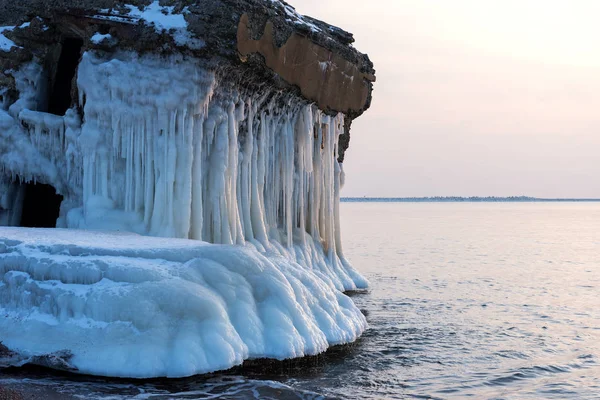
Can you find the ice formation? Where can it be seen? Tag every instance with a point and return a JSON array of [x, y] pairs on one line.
[[199, 194], [166, 150], [120, 304], [203, 163]]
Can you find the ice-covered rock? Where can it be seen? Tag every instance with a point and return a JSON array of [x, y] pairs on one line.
[[167, 120]]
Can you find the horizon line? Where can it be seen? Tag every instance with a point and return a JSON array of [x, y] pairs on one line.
[[471, 198]]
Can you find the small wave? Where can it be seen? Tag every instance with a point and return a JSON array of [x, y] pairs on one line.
[[512, 354], [528, 373], [221, 387]]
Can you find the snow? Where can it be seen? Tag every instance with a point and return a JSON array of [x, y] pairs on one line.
[[124, 19], [98, 38], [5, 43], [162, 18], [133, 306]]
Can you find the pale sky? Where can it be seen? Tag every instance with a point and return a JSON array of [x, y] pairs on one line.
[[474, 97]]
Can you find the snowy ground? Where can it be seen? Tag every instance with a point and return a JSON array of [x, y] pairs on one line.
[[120, 304]]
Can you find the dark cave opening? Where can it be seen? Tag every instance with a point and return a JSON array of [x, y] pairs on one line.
[[41, 206], [60, 96]]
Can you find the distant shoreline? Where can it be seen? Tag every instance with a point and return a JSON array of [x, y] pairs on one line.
[[513, 199]]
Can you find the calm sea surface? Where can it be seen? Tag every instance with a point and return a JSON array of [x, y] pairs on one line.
[[467, 300]]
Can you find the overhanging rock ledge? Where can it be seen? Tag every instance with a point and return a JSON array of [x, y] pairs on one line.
[[259, 42]]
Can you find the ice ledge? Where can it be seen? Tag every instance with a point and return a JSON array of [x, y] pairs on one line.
[[125, 305]]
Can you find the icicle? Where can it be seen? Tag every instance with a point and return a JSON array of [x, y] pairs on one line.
[[172, 153]]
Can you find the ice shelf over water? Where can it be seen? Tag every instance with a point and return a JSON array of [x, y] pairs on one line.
[[243, 186], [120, 304]]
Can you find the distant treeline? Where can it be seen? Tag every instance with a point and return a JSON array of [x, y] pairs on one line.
[[455, 199]]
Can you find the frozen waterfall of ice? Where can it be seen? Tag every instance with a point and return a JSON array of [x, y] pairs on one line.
[[166, 149]]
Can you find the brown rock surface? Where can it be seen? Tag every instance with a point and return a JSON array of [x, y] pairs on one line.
[[322, 75]]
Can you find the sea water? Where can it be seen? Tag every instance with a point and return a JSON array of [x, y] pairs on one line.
[[467, 300]]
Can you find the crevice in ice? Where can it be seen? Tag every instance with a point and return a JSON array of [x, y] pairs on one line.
[[28, 204], [61, 94], [41, 206]]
